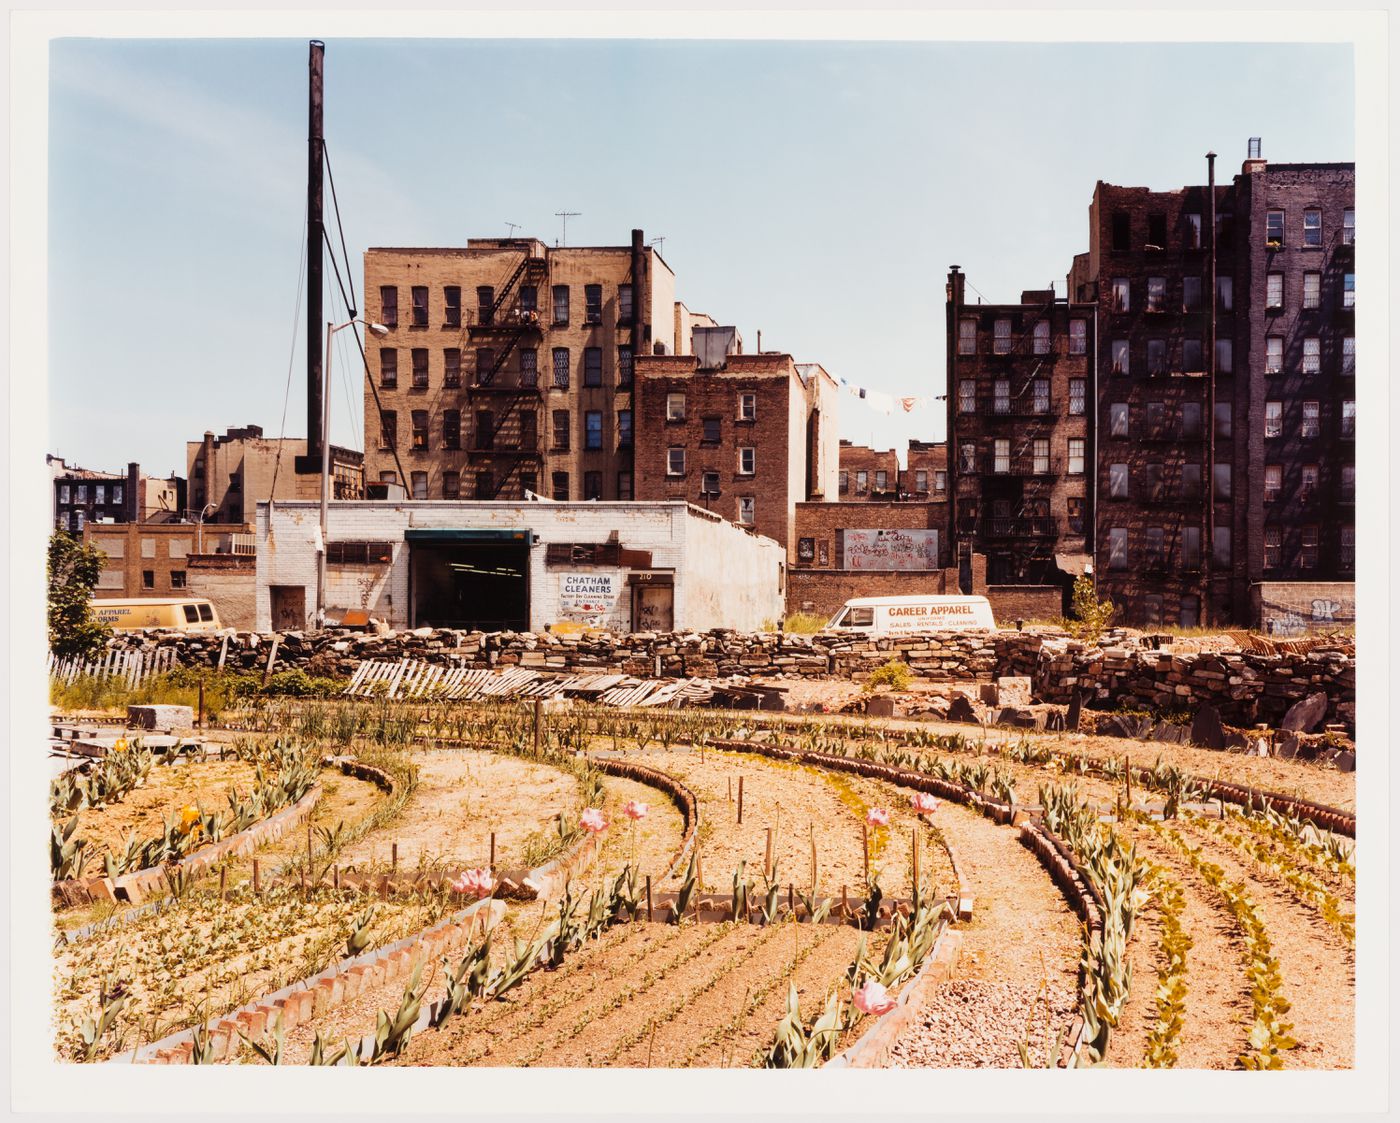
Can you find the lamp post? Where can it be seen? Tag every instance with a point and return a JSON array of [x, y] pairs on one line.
[[331, 329], [199, 524]]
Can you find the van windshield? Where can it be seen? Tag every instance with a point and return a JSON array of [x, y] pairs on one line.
[[853, 618]]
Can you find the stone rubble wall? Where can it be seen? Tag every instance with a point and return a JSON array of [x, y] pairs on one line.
[[1245, 687]]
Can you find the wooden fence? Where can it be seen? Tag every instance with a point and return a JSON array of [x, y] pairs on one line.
[[131, 667]]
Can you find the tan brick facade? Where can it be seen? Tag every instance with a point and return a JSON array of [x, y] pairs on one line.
[[233, 473], [868, 473], [159, 559]]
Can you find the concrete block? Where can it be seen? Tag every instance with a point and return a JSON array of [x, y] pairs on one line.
[[1014, 690], [160, 717]]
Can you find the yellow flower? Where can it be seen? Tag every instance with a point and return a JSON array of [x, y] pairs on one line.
[[189, 817], [119, 746]]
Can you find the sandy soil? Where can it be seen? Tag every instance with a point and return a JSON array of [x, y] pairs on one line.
[[657, 837], [461, 798]]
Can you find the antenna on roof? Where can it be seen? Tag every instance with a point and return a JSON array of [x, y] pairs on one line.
[[514, 226], [659, 242], [566, 215]]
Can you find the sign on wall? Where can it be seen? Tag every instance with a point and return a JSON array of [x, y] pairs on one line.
[[890, 549], [589, 598]]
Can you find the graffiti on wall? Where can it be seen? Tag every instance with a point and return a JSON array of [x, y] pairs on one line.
[[891, 549], [1282, 614]]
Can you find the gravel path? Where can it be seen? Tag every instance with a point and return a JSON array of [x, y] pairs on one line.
[[976, 1023]]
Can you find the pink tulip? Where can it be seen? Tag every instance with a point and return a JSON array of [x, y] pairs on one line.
[[872, 998], [634, 810], [924, 804], [592, 820], [474, 883], [877, 817]]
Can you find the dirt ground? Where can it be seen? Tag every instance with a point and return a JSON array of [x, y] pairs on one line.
[[650, 846]]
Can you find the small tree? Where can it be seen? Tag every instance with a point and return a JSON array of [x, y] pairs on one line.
[[1090, 616], [73, 572]]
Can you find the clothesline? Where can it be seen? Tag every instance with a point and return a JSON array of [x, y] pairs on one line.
[[884, 403]]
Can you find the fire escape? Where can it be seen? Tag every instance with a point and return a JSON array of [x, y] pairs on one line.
[[500, 391]]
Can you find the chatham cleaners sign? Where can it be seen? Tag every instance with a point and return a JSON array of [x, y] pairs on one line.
[[589, 598], [891, 549]]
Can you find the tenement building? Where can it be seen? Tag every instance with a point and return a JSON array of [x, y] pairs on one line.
[[1020, 432], [81, 496], [746, 436], [231, 474], [508, 366], [1225, 405], [868, 473]]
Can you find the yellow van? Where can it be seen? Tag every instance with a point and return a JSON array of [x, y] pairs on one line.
[[184, 614]]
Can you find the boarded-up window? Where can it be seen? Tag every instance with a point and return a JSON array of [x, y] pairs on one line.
[[111, 579], [113, 545], [179, 547], [148, 547], [359, 553]]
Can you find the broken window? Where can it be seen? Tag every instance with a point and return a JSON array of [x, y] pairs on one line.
[[806, 550], [1191, 356], [451, 428], [1154, 542], [1157, 420], [485, 429], [1193, 230], [844, 483], [1222, 475], [1190, 294], [1189, 614], [1118, 547], [420, 306], [1224, 356], [1120, 356], [388, 368], [451, 485], [1122, 230], [451, 367], [1118, 481], [1224, 419], [485, 484], [1156, 356], [1191, 481], [592, 366], [1074, 510], [1190, 548], [710, 430], [420, 368], [452, 306], [559, 484], [593, 430], [561, 429], [1118, 419], [1156, 232], [746, 510], [1225, 293], [389, 306], [1156, 294], [1121, 295], [675, 461], [709, 483], [1152, 480], [148, 576]]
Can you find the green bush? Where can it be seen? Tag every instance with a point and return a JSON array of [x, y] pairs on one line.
[[804, 623], [895, 674], [1090, 616]]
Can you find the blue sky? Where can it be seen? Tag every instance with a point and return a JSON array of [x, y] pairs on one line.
[[814, 191]]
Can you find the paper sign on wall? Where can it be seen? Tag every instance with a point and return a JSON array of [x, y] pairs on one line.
[[589, 598]]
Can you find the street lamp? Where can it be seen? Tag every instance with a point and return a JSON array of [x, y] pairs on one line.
[[199, 524], [331, 329]]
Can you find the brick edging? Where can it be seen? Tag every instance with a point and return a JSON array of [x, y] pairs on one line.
[[681, 796], [1332, 818]]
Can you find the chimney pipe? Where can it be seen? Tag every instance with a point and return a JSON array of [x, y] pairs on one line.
[[638, 290], [135, 505], [315, 242]]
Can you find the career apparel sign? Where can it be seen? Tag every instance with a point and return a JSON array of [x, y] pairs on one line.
[[891, 549], [589, 598]]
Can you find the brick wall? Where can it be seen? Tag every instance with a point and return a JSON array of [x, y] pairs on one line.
[[231, 584], [1044, 603], [823, 591], [861, 467], [1295, 608]]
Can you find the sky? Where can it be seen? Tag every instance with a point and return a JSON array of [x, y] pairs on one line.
[[814, 191]]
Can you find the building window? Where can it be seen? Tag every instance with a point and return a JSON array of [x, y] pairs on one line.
[[1273, 482], [1157, 419], [1120, 356], [593, 430], [529, 367], [624, 367], [806, 550], [1348, 290], [420, 306], [675, 407], [592, 366], [1040, 395], [1189, 614], [1118, 547], [529, 430], [1001, 337], [844, 484], [1347, 548], [560, 420], [485, 305], [1191, 356], [967, 395], [624, 304], [1224, 420], [529, 300], [99, 495], [624, 428], [485, 485], [1193, 230], [420, 368], [675, 461], [921, 481], [709, 483], [1040, 456], [388, 428], [1310, 425], [1156, 294], [1001, 395], [451, 485], [1273, 419], [389, 306], [451, 367], [1224, 356], [940, 480], [593, 304], [1190, 548], [593, 485], [624, 485], [559, 485], [420, 484], [967, 336], [388, 368], [1312, 227], [1118, 419], [1152, 480], [1273, 229], [148, 577], [1156, 232], [1190, 294], [710, 430], [560, 357], [451, 428], [485, 366], [63, 493], [1222, 475], [862, 483], [1153, 547], [485, 429], [388, 476], [1307, 556], [1273, 298], [967, 451], [1348, 227], [746, 510], [1348, 427], [1191, 481], [1076, 397], [1121, 295], [1307, 482], [1273, 354], [1078, 337], [1273, 547], [1001, 456], [1225, 293], [1041, 337], [560, 294], [1122, 230], [1118, 481], [1312, 290], [1076, 457], [452, 306], [1156, 356], [747, 460], [748, 407], [1074, 510], [1221, 547], [1349, 354], [882, 481], [116, 493]]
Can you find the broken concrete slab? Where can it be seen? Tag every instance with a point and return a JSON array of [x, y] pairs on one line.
[[881, 705], [1014, 690], [160, 717], [1304, 716], [1206, 728], [961, 709]]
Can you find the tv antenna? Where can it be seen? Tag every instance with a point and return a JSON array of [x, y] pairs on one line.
[[659, 242], [514, 226], [566, 215]]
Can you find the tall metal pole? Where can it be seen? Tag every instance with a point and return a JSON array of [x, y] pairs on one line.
[[325, 420], [315, 243]]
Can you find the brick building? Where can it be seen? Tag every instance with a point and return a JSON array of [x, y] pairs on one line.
[[81, 496], [746, 436], [1226, 402], [925, 476], [1020, 438], [175, 558], [508, 367], [867, 473], [233, 473]]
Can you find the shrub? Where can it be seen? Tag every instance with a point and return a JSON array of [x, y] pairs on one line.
[[895, 674], [804, 623], [73, 573], [1090, 616]]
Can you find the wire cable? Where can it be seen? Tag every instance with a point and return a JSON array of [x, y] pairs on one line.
[[291, 358]]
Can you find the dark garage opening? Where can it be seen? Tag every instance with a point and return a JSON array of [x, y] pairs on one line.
[[470, 579]]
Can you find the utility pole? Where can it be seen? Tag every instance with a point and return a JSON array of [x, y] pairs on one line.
[[566, 215], [315, 242]]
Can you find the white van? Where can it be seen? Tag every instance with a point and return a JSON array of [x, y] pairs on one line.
[[907, 616]]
